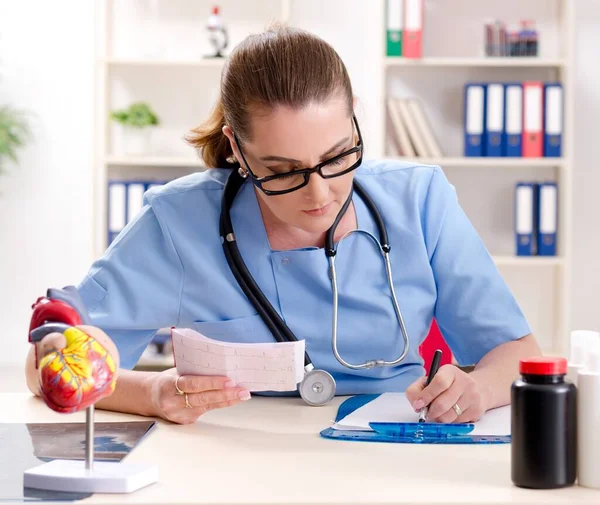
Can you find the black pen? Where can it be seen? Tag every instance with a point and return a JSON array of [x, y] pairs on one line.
[[435, 364]]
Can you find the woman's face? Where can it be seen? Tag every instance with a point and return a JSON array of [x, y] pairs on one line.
[[285, 140]]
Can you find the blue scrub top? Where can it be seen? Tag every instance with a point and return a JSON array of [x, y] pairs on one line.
[[167, 268]]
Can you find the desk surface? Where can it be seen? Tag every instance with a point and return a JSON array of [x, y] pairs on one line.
[[268, 450]]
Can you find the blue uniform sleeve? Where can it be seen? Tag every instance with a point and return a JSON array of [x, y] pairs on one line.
[[475, 309], [135, 288]]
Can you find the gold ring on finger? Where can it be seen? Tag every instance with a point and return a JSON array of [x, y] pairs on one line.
[[187, 402], [457, 409], [179, 391]]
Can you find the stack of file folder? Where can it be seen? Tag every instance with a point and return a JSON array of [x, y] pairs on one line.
[[536, 218], [513, 119], [404, 28], [125, 201]]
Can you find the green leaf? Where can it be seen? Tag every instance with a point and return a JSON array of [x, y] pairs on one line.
[[138, 115], [14, 133]]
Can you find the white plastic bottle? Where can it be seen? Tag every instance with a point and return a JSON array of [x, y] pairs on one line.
[[581, 342], [588, 422]]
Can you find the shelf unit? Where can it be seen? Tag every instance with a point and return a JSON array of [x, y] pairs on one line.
[[562, 68], [129, 166], [513, 62], [147, 62], [484, 162], [106, 64], [153, 161]]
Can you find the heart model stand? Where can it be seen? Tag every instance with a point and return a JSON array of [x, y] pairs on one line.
[[67, 389]]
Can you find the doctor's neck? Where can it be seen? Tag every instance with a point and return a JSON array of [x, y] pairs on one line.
[[284, 236]]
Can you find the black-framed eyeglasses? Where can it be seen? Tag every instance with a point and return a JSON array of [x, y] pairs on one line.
[[337, 166]]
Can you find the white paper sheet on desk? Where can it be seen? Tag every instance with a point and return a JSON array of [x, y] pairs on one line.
[[276, 366], [395, 408]]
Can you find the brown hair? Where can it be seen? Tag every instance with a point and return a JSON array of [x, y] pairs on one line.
[[281, 66]]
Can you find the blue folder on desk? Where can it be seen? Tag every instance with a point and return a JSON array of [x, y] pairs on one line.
[[406, 433]]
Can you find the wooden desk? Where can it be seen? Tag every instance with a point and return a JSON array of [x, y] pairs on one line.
[[269, 451]]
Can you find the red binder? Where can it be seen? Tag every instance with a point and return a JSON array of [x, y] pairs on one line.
[[533, 115], [412, 35]]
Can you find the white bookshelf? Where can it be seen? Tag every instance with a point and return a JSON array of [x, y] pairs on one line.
[[534, 261], [153, 161], [148, 62], [456, 64], [111, 63], [546, 67], [484, 162], [475, 62], [127, 68]]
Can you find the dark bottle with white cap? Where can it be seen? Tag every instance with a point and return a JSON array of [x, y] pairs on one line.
[[543, 425]]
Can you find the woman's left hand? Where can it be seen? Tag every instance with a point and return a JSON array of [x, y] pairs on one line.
[[453, 396]]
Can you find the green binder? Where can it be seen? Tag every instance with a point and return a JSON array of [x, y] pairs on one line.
[[393, 27]]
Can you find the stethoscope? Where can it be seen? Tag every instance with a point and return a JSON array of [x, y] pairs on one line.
[[318, 386]]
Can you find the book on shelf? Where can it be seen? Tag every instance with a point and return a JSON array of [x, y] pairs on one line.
[[412, 131]]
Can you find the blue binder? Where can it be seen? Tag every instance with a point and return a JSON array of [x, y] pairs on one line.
[[547, 217], [406, 433], [525, 222], [553, 119], [494, 120], [513, 119], [116, 218], [123, 204], [474, 119]]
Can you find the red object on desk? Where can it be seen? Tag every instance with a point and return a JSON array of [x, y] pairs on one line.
[[434, 340]]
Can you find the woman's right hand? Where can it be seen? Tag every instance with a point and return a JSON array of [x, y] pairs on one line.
[[203, 393]]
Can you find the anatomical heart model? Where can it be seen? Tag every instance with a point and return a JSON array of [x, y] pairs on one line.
[[77, 366]]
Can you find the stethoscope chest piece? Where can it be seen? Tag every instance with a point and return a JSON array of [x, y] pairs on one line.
[[317, 387]]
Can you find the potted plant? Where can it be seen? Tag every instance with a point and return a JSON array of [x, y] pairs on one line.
[[14, 134], [136, 121]]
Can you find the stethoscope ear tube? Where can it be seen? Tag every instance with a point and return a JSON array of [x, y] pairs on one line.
[[236, 263], [330, 250], [383, 236]]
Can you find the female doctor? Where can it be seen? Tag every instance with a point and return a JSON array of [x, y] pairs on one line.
[[285, 125]]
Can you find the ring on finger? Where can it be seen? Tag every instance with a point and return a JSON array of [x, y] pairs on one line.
[[457, 409], [188, 405], [179, 391]]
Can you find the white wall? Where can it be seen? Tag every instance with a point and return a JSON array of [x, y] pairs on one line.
[[47, 51], [49, 199], [586, 180]]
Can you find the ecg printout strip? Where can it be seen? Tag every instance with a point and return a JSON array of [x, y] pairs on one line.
[[273, 366]]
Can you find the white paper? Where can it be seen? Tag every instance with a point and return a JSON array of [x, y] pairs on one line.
[[395, 408], [273, 366]]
